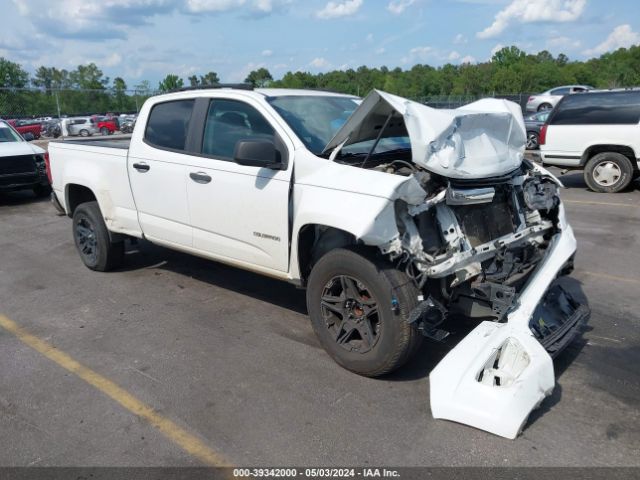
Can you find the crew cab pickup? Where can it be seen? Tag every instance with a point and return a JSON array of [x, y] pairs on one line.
[[597, 132], [391, 214]]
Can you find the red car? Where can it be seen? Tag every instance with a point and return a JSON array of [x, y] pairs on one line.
[[26, 126], [105, 125]]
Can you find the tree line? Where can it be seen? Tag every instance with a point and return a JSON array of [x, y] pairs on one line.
[[510, 70]]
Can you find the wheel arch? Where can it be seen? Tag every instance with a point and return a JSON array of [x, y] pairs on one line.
[[316, 240], [75, 194], [594, 150]]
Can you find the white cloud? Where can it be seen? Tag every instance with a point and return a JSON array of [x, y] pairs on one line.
[[399, 6], [496, 49], [112, 60], [621, 36], [531, 11], [319, 62], [563, 42], [467, 59], [379, 51], [370, 38], [344, 8], [453, 56], [459, 39], [267, 53], [213, 6]]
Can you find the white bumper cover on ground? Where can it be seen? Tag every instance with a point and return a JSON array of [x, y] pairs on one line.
[[499, 373]]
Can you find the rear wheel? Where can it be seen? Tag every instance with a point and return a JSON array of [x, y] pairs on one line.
[[545, 106], [608, 172], [532, 141], [359, 308], [91, 237], [84, 133]]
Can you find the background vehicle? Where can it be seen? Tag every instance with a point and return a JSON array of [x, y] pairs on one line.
[[105, 125], [24, 127], [549, 99], [387, 241], [22, 165], [127, 123], [82, 126], [52, 128], [598, 132], [533, 123]]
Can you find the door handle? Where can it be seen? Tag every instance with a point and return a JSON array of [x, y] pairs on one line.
[[200, 177], [141, 167]]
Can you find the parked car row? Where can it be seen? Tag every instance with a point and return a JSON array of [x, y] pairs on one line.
[[32, 129]]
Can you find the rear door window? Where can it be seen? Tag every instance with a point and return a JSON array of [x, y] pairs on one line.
[[168, 124], [561, 91], [613, 108]]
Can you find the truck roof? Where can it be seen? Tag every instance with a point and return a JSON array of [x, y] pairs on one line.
[[255, 93]]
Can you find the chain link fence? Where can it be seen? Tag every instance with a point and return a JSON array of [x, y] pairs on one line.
[[24, 103], [455, 101], [29, 106]]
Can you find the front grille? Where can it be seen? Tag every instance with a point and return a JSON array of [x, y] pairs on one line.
[[486, 221], [17, 164]]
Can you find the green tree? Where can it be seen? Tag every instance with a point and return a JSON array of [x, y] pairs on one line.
[[194, 81], [170, 82], [12, 74], [259, 78], [88, 77], [210, 78]]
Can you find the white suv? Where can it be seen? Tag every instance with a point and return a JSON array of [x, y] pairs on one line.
[[598, 132], [549, 99]]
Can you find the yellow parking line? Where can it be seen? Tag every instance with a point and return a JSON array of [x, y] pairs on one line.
[[610, 204], [609, 277], [169, 429]]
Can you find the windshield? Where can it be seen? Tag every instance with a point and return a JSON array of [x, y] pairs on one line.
[[315, 119], [7, 134]]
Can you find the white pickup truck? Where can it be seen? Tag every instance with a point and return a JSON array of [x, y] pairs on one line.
[[391, 214]]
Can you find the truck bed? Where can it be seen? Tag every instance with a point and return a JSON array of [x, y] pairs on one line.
[[107, 142]]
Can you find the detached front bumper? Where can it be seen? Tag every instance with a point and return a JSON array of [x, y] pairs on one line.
[[500, 372]]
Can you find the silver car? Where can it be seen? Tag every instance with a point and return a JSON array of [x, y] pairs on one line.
[[82, 126], [549, 99]]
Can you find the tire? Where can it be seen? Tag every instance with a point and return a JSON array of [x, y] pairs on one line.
[[84, 133], [608, 172], [545, 106], [388, 340], [42, 190], [532, 141], [104, 131], [91, 237]]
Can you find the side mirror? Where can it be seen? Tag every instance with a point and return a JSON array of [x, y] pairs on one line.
[[258, 153]]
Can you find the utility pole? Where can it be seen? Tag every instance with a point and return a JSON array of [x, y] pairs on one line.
[[57, 103]]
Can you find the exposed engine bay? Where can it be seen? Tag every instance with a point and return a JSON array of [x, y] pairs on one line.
[[481, 231]]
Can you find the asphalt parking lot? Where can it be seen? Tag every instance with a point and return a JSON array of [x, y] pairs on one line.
[[229, 364]]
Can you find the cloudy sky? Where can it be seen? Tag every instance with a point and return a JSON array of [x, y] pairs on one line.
[[146, 39]]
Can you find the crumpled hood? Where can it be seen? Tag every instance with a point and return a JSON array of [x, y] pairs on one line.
[[482, 139]]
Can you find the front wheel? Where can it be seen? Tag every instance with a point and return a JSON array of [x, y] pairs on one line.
[[84, 133], [532, 141], [608, 172], [359, 307], [91, 237], [104, 131]]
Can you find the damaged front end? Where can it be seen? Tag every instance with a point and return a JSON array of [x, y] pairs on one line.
[[483, 234]]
